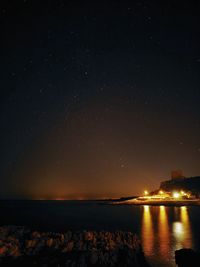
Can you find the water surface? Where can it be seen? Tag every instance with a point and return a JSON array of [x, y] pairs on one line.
[[161, 229]]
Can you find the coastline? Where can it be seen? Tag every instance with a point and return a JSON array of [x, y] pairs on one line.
[[175, 203]]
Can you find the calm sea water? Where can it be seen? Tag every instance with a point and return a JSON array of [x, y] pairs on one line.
[[161, 229]]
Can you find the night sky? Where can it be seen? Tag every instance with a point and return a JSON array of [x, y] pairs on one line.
[[97, 99]]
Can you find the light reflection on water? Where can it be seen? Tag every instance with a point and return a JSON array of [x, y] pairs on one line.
[[160, 238], [182, 231], [147, 230], [163, 231]]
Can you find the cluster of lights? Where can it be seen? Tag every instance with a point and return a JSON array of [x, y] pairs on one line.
[[180, 194], [162, 194], [176, 195]]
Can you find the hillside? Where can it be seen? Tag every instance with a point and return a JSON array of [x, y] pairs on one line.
[[187, 184]]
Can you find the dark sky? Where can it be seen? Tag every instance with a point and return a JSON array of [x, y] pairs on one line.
[[97, 99]]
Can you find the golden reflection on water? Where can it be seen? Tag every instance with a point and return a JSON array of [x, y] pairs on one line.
[[163, 232], [182, 230], [147, 230]]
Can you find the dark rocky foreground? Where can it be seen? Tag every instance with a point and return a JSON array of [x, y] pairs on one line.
[[22, 247]]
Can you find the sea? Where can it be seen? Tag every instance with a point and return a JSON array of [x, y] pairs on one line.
[[162, 230]]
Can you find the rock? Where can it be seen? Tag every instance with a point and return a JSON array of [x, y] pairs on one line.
[[78, 249], [10, 249], [14, 251], [62, 238], [112, 244], [88, 236], [68, 247], [31, 243], [93, 258], [187, 258], [79, 245], [3, 251], [68, 235], [36, 234], [50, 242]]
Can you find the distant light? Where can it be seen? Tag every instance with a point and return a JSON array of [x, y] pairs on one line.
[[161, 192], [146, 208], [176, 195], [183, 193], [146, 192]]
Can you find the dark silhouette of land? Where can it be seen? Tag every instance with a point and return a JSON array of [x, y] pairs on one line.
[[191, 184]]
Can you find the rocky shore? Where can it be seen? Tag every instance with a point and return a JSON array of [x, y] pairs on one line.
[[20, 246], [187, 258]]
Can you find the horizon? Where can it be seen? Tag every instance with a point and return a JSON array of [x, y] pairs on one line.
[[88, 198]]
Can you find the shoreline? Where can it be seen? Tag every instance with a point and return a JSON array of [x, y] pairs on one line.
[[171, 203]]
